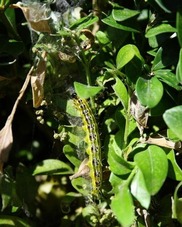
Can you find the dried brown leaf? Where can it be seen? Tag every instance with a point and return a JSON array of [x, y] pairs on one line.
[[37, 83], [6, 141], [37, 15]]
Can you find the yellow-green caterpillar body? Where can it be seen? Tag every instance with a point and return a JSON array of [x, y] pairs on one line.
[[93, 148]]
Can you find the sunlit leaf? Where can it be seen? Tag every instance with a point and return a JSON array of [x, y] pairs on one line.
[[149, 92], [125, 214], [85, 91], [172, 117], [163, 28], [121, 14], [126, 54], [175, 172], [139, 189], [52, 166], [121, 92], [154, 167]]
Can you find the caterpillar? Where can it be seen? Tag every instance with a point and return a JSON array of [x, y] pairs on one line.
[[93, 164]]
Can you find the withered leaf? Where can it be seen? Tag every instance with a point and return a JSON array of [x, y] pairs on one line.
[[37, 83], [6, 141]]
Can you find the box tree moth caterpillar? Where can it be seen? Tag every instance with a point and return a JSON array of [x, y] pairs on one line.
[[92, 165]]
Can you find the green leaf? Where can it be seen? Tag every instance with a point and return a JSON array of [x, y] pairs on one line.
[[179, 26], [84, 22], [172, 118], [179, 68], [124, 213], [149, 92], [112, 23], [121, 14], [158, 62], [85, 91], [8, 220], [126, 54], [162, 28], [52, 166], [154, 167], [121, 92], [139, 189], [174, 171], [82, 185], [117, 164], [168, 77], [71, 155], [102, 37], [115, 181]]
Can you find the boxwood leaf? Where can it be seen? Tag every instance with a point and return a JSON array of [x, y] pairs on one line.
[[117, 164], [174, 171], [162, 28], [154, 166], [121, 92], [149, 91], [172, 117], [121, 14], [52, 166], [139, 189], [85, 91], [112, 23], [124, 213], [126, 54]]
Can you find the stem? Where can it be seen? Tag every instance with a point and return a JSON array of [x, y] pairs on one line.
[[127, 118], [133, 172]]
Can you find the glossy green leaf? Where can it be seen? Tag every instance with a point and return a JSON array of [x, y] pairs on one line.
[[149, 92], [102, 37], [115, 181], [52, 166], [112, 23], [71, 155], [179, 26], [117, 164], [158, 62], [82, 185], [166, 76], [154, 167], [172, 118], [122, 206], [121, 92], [8, 220], [85, 91], [121, 14], [163, 28], [179, 68], [126, 54], [139, 189], [175, 172], [84, 22]]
